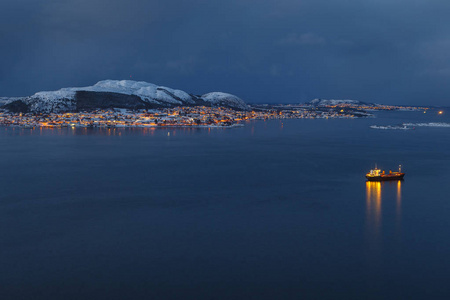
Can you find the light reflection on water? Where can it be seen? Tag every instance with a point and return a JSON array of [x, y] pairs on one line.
[[382, 197], [104, 131], [373, 206]]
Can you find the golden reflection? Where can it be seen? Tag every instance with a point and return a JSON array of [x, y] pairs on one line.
[[399, 207], [374, 198], [399, 198], [373, 205]]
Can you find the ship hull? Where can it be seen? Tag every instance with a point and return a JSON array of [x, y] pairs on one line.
[[386, 177]]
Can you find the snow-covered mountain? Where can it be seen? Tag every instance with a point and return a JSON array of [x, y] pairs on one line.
[[324, 102], [4, 100], [223, 99], [121, 94]]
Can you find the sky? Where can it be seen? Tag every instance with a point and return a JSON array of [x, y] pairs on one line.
[[266, 51]]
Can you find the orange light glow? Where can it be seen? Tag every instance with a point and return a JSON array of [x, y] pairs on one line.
[[373, 204], [399, 197]]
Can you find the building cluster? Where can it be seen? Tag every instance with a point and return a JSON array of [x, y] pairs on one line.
[[178, 116]]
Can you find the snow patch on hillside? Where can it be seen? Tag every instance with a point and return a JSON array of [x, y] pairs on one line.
[[218, 98], [5, 100]]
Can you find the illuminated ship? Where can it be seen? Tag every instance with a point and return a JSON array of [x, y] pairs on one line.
[[379, 175]]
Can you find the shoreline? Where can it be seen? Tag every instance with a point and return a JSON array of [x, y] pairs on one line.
[[208, 117]]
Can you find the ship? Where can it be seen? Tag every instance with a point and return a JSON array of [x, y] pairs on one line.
[[379, 175]]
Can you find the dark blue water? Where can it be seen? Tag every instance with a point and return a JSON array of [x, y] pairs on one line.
[[271, 210]]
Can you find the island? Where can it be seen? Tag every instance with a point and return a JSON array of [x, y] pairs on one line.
[[126, 103]]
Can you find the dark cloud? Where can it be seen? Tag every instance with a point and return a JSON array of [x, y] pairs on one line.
[[303, 39], [393, 51]]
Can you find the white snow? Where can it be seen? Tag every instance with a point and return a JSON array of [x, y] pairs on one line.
[[6, 100], [64, 99], [128, 87], [217, 98], [333, 102], [146, 91], [67, 93]]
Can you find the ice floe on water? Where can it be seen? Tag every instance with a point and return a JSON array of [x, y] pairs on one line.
[[390, 127], [408, 126], [427, 124]]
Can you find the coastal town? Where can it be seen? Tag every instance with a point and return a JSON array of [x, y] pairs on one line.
[[198, 116]]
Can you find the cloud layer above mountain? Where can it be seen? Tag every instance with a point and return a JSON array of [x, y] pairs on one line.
[[395, 51]]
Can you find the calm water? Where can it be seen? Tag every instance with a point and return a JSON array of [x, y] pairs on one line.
[[272, 210]]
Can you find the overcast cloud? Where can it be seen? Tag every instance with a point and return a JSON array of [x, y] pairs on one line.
[[395, 51]]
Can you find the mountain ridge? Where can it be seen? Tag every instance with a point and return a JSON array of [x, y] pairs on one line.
[[325, 102], [117, 94]]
